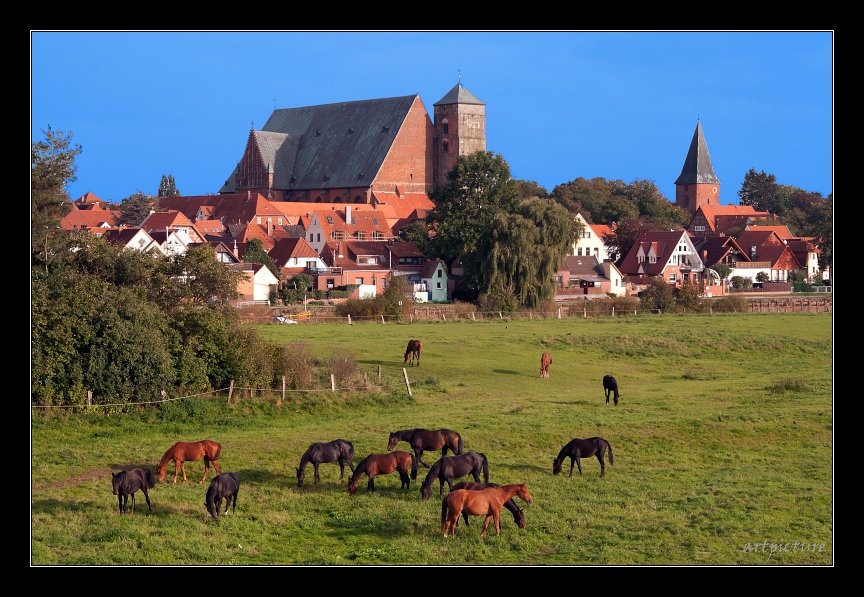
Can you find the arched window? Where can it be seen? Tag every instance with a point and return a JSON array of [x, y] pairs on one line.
[[445, 146], [445, 126]]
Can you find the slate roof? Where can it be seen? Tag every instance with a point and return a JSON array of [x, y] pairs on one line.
[[713, 249], [583, 266], [459, 95], [663, 243], [329, 146], [697, 166]]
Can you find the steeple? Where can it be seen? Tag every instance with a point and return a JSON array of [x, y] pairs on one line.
[[697, 184], [460, 129]]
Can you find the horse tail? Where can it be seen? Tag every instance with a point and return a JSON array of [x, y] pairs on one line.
[[218, 451], [611, 458], [413, 465], [149, 479], [485, 468]]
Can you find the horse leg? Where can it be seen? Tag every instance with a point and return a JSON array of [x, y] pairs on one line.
[[578, 463], [602, 464], [120, 502], [178, 464], [234, 503], [370, 486], [147, 497], [486, 524], [206, 468], [419, 456], [572, 461], [317, 476], [341, 468]]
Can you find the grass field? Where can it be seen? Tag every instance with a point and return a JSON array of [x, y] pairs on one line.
[[723, 451]]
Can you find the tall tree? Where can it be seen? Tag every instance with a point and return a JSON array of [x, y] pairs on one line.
[[478, 187], [531, 188], [761, 191], [52, 168], [255, 253], [134, 209], [167, 188], [525, 250]]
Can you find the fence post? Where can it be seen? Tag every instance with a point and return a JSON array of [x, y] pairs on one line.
[[230, 391], [279, 402], [349, 319], [472, 316], [379, 373], [444, 316], [500, 316], [89, 397], [332, 383], [365, 379], [613, 311], [530, 315], [559, 312], [382, 318], [407, 384], [584, 312]]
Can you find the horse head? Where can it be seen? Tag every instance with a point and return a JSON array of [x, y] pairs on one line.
[[160, 473], [556, 466], [301, 476], [391, 443], [426, 491], [115, 481], [352, 484], [523, 493], [519, 517]]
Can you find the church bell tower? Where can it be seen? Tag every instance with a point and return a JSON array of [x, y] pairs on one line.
[[697, 185], [459, 129]]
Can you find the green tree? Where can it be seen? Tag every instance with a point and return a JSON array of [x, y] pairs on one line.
[[417, 232], [687, 296], [525, 250], [659, 296], [722, 270], [134, 209], [478, 187], [167, 188], [761, 191], [762, 277], [530, 188], [52, 168], [626, 234], [255, 253]]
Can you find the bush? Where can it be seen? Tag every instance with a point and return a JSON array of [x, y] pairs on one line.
[[731, 304]]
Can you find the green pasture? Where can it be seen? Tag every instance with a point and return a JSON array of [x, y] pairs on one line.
[[722, 443]]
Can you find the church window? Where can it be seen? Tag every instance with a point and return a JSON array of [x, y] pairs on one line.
[[445, 147], [445, 126]]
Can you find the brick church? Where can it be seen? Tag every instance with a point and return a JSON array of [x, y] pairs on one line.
[[380, 151]]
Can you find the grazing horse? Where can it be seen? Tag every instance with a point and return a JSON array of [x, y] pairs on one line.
[[226, 485], [449, 468], [583, 448], [382, 464], [426, 439], [545, 361], [413, 351], [338, 450], [610, 384], [190, 451], [518, 514], [126, 483], [480, 502]]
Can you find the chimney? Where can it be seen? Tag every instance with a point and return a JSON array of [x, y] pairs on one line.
[[236, 254], [752, 252], [269, 227], [704, 255], [347, 214]]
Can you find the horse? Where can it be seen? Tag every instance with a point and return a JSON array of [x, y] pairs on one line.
[[190, 451], [610, 384], [226, 485], [382, 464], [426, 439], [413, 351], [518, 514], [449, 468], [126, 483], [545, 361], [338, 450], [583, 448], [480, 502]]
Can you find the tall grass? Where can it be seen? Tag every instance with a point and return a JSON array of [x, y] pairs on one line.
[[723, 446]]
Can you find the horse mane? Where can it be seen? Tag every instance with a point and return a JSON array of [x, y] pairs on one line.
[[432, 474], [361, 468], [150, 480], [168, 456], [304, 460]]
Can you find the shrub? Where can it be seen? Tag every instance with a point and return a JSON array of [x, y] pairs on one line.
[[731, 304]]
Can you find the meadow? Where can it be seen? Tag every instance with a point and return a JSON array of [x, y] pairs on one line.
[[722, 443]]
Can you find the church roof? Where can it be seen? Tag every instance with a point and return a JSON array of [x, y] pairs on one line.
[[697, 167], [329, 146], [459, 95]]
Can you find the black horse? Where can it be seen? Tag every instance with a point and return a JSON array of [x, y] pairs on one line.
[[610, 384], [583, 448], [449, 468], [518, 514], [126, 483], [226, 485], [426, 439], [338, 450]]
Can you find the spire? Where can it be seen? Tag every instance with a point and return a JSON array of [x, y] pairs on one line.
[[697, 167]]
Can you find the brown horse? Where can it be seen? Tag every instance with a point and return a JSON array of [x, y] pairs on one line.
[[518, 514], [426, 439], [480, 502], [610, 385], [545, 361], [413, 351], [382, 464], [577, 449], [190, 451]]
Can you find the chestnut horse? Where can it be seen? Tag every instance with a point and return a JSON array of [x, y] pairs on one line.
[[518, 514], [545, 361], [610, 384], [190, 451], [583, 448], [426, 439], [413, 351], [480, 502], [382, 464]]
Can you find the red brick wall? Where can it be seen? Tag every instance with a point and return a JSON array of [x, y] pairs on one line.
[[409, 162]]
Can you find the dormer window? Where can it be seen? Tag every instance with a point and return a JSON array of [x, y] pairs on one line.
[[329, 220]]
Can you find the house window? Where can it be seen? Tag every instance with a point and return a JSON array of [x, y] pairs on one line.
[[279, 221], [361, 235], [375, 221], [445, 126], [377, 235], [596, 252], [699, 228], [383, 282], [358, 281], [445, 147], [310, 264], [440, 273], [259, 219], [329, 220], [438, 285], [331, 282], [579, 251], [319, 237], [672, 277]]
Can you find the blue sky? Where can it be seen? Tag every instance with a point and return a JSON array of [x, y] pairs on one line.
[[559, 105]]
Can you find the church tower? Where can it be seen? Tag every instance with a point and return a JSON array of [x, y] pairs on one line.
[[697, 185], [459, 129]]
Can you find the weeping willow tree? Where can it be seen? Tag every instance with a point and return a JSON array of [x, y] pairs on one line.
[[525, 249]]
